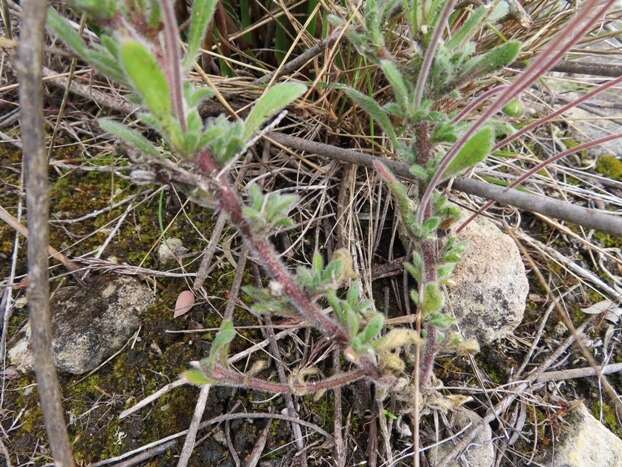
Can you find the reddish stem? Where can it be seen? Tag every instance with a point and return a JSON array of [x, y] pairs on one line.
[[541, 165], [230, 203], [229, 377], [545, 60], [561, 110], [173, 61]]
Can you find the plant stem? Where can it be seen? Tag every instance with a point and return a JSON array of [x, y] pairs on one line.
[[229, 377], [563, 41], [541, 121], [230, 203], [590, 218], [172, 59], [540, 166], [430, 52], [37, 201]]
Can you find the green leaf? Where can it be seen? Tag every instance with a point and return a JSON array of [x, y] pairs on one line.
[[132, 137], [373, 328], [419, 172], [395, 78], [474, 151], [146, 78], [431, 224], [413, 271], [433, 298], [513, 108], [63, 29], [273, 101], [352, 319], [440, 320], [467, 30], [196, 377], [100, 57], [200, 17], [492, 60], [220, 345], [374, 110], [100, 9], [318, 262]]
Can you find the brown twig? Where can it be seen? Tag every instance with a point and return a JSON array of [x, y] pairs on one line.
[[53, 252], [29, 65], [229, 377], [574, 373], [586, 217], [592, 69]]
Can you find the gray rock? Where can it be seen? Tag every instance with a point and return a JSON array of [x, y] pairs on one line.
[[587, 126], [488, 289], [479, 453], [89, 323], [586, 443], [170, 250]]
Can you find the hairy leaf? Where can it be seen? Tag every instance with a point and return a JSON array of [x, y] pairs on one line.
[[433, 298], [468, 29], [395, 78], [146, 78], [492, 60], [474, 151], [273, 101], [200, 17], [374, 110], [373, 328], [196, 377], [131, 137], [220, 346]]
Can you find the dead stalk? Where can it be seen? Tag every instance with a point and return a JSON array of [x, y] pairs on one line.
[[37, 201]]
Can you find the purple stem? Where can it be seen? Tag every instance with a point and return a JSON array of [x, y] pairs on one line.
[[541, 165], [561, 110], [430, 52], [545, 60], [173, 61], [229, 377]]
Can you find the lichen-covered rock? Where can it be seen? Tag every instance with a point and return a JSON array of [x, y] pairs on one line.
[[488, 289], [585, 442], [89, 323], [479, 453], [170, 250]]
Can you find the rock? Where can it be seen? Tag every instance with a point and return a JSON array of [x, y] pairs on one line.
[[480, 453], [587, 126], [586, 443], [89, 324], [489, 287], [170, 250]]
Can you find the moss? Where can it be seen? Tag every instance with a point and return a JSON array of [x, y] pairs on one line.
[[609, 418], [323, 409], [608, 240], [609, 166]]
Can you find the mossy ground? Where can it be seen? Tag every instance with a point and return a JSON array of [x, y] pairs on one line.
[[156, 357], [93, 402]]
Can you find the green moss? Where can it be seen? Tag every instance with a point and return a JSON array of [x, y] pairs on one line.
[[609, 418], [608, 240], [609, 166]]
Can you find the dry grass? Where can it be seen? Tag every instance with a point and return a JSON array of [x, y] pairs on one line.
[[341, 206]]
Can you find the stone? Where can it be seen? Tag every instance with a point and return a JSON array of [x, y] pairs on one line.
[[585, 442], [479, 453], [89, 323], [587, 126], [170, 250], [488, 290]]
